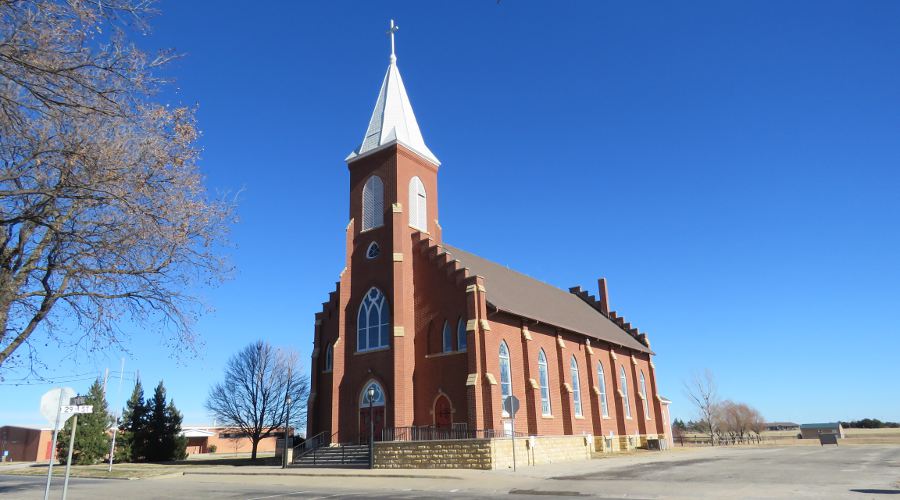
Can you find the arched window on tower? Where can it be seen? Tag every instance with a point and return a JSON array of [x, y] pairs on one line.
[[418, 211], [373, 203], [461, 336], [447, 336], [644, 396], [576, 386], [601, 384], [623, 382], [544, 379], [329, 357], [505, 377], [373, 321]]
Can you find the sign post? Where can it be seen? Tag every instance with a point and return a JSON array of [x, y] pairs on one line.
[[51, 409], [511, 405], [76, 406]]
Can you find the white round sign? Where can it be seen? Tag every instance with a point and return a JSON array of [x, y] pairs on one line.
[[51, 406]]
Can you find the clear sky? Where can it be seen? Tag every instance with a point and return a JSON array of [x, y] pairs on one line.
[[730, 167]]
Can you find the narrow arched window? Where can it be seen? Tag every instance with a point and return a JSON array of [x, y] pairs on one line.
[[461, 336], [576, 386], [447, 335], [544, 380], [505, 377], [601, 384], [644, 396], [623, 382], [418, 211], [329, 357], [373, 203], [373, 321]]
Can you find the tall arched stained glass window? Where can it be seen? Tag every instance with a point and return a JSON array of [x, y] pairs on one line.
[[329, 357], [623, 382], [461, 336], [505, 376], [373, 321], [373, 203], [644, 396], [418, 211], [544, 381], [447, 336], [601, 384], [576, 386]]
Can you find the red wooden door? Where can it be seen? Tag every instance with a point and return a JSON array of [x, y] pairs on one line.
[[443, 417], [378, 414]]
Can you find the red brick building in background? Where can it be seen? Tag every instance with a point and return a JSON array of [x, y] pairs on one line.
[[444, 336]]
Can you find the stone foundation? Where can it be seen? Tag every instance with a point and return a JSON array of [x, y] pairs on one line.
[[497, 453]]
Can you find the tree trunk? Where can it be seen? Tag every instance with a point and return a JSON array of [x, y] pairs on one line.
[[255, 445]]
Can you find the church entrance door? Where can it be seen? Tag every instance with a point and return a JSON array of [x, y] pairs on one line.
[[443, 414], [371, 411]]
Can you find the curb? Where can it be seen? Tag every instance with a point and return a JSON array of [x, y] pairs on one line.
[[326, 474]]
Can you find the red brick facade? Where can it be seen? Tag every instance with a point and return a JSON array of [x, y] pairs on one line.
[[424, 287]]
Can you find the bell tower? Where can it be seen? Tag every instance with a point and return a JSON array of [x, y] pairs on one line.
[[393, 195]]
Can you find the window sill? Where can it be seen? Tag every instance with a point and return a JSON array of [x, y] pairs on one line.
[[376, 349], [579, 417], [547, 416], [361, 231], [605, 417], [443, 354]]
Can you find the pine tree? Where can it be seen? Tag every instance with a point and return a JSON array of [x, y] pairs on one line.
[[156, 426], [173, 430], [131, 443], [92, 434]]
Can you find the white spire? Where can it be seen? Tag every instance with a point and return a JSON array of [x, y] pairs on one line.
[[393, 119]]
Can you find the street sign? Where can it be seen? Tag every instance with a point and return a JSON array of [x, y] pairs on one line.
[[511, 405], [50, 405], [73, 409]]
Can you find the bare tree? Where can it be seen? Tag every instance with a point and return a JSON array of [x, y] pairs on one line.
[[701, 390], [254, 395], [103, 213]]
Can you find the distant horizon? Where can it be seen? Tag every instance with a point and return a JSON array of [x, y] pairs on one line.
[[730, 169]]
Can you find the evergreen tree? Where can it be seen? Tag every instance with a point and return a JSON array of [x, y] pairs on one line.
[[165, 442], [92, 434], [173, 429], [131, 443]]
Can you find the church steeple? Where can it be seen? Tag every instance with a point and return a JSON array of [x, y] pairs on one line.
[[392, 119]]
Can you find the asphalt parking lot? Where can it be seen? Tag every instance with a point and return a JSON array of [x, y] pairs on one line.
[[795, 472]]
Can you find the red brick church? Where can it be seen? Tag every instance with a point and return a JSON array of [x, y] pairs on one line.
[[444, 336]]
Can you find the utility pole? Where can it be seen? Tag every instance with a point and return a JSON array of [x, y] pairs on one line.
[[287, 419], [112, 446]]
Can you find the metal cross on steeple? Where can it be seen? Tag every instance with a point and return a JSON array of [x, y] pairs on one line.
[[391, 32]]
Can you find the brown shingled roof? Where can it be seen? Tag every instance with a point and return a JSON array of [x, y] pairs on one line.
[[524, 296]]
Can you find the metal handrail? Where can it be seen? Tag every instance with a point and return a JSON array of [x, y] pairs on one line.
[[312, 444], [432, 433]]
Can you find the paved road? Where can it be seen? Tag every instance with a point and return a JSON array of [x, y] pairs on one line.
[[858, 472]]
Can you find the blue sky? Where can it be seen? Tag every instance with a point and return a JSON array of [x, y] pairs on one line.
[[730, 167]]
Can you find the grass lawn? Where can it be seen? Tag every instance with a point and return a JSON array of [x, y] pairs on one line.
[[140, 471]]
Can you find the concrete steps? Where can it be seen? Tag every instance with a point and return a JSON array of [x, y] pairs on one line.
[[336, 456]]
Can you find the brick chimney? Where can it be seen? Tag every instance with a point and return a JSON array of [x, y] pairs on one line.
[[604, 296]]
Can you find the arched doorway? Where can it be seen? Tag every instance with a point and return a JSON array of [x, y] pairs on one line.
[[376, 414], [443, 412]]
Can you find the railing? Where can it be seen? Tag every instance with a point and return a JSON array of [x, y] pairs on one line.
[[430, 433], [312, 444]]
